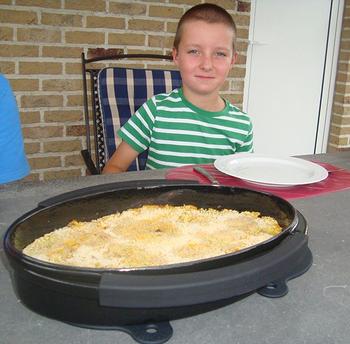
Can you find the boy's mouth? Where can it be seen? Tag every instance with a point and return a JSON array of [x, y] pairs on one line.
[[204, 77]]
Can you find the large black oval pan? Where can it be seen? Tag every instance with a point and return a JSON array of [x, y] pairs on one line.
[[93, 202]]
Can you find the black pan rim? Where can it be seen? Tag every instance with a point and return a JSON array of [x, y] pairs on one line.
[[27, 260]]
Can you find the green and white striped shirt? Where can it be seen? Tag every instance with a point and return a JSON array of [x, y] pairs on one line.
[[177, 133]]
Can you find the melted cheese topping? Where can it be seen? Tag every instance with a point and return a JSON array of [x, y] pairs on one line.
[[153, 235]]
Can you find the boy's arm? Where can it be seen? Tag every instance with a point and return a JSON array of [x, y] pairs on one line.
[[121, 159], [247, 145]]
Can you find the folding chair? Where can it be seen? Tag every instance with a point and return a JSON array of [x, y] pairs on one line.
[[116, 93]]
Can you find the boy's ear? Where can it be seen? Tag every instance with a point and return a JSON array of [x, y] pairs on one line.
[[174, 53], [234, 59]]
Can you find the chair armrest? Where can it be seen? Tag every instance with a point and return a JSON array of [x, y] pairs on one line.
[[88, 162]]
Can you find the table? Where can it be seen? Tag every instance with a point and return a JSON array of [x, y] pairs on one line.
[[316, 310]]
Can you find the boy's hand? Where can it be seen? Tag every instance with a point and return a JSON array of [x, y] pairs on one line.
[[121, 159]]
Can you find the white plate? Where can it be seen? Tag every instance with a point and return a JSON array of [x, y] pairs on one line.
[[271, 170]]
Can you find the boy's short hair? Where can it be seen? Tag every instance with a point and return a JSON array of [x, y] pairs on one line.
[[208, 13]]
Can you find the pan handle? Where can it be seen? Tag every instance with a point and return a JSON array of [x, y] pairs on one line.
[[103, 188], [120, 289]]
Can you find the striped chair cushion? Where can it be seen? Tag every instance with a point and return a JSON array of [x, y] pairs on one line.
[[121, 92]]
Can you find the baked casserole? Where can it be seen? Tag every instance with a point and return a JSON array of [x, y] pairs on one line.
[[153, 235]]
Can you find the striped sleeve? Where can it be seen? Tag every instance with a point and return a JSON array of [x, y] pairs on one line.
[[137, 130], [247, 144], [240, 120]]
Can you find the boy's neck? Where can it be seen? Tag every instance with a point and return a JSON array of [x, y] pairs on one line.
[[212, 103]]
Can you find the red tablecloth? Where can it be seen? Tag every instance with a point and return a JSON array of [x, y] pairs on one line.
[[338, 179]]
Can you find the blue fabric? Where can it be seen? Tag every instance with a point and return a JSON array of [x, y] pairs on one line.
[[121, 92], [13, 161]]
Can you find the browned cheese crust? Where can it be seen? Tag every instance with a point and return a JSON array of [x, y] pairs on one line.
[[152, 236]]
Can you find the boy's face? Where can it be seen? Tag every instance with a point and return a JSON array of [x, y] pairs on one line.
[[204, 58]]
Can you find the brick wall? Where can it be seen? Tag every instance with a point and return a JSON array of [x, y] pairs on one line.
[[339, 138], [40, 46]]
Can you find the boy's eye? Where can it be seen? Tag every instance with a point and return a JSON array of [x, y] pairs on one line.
[[193, 51], [221, 53]]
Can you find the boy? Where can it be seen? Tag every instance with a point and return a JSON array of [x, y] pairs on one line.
[[193, 124]]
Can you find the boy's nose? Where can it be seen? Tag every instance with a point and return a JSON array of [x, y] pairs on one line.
[[206, 63]]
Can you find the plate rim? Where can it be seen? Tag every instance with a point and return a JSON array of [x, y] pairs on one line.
[[322, 172]]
